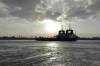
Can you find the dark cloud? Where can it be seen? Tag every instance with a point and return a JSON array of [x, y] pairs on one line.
[[95, 6], [22, 8], [51, 9], [30, 9], [24, 4], [25, 14], [84, 11], [79, 12]]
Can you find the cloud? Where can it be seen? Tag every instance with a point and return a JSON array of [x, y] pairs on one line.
[[4, 10], [24, 4], [82, 9], [30, 9], [22, 8], [95, 5], [79, 12], [50, 9]]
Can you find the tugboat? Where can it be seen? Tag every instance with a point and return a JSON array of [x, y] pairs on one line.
[[63, 35]]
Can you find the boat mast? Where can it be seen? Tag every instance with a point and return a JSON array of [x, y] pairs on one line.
[[61, 27], [69, 26]]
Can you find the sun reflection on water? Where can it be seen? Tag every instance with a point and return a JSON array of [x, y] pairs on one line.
[[52, 44]]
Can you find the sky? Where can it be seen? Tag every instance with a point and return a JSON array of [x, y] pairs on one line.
[[26, 17]]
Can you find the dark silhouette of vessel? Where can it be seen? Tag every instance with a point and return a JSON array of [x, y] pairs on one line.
[[63, 35]]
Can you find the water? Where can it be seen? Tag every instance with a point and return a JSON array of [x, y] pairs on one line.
[[42, 53]]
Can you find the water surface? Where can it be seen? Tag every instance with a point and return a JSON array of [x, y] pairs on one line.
[[44, 53]]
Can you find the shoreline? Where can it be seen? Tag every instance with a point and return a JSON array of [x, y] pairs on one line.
[[36, 40]]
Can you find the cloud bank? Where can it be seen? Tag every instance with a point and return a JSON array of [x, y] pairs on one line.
[[50, 9]]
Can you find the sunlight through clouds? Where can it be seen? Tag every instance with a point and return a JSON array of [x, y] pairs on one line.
[[51, 26], [36, 11]]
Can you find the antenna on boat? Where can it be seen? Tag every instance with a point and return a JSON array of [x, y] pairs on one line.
[[61, 27], [69, 26]]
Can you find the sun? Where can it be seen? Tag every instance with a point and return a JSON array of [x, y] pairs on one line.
[[51, 26]]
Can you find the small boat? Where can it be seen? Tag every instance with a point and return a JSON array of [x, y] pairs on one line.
[[63, 35]]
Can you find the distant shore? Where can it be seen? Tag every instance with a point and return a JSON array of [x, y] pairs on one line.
[[33, 38]]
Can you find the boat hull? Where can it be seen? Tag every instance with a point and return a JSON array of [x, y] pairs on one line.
[[55, 39]]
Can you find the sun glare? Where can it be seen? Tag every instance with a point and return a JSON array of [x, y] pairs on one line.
[[51, 26], [52, 44]]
